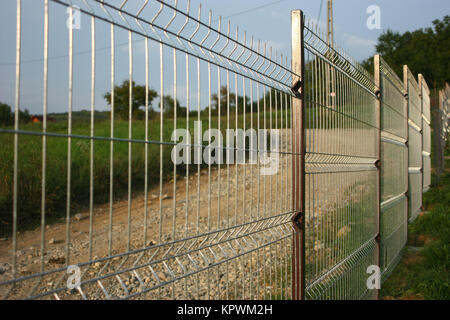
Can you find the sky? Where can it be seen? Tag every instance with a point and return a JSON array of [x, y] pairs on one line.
[[267, 20]]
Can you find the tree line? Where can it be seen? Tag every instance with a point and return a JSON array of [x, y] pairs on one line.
[[425, 51], [227, 102], [7, 115]]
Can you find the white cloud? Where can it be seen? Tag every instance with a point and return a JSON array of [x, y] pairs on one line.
[[355, 41], [360, 47]]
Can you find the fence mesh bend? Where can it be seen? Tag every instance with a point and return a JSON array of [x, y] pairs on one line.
[[208, 165]]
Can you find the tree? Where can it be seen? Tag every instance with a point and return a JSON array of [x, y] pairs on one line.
[[122, 96], [425, 51], [24, 116], [169, 107], [274, 99], [224, 100], [7, 115]]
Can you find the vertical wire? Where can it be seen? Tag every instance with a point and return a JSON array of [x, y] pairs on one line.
[[264, 192], [282, 204], [251, 160], [236, 169], [218, 154], [276, 200], [228, 174], [287, 192], [174, 202], [111, 148], [244, 111], [16, 136], [209, 165], [130, 133], [44, 137], [161, 139], [259, 190], [199, 156], [314, 148], [271, 191], [92, 132], [69, 139], [188, 161], [219, 150], [146, 144]]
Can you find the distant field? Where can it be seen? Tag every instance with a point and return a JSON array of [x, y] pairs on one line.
[[30, 158], [30, 164]]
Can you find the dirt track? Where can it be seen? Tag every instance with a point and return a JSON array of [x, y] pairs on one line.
[[175, 224]]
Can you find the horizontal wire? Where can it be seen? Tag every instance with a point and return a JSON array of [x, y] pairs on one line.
[[63, 135]]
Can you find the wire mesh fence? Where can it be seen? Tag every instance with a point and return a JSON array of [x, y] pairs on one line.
[[223, 169], [340, 175], [441, 115], [394, 165], [415, 168], [426, 133], [206, 228]]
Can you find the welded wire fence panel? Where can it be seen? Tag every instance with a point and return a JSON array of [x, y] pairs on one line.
[[426, 133], [173, 156], [178, 192], [445, 111], [341, 176], [441, 115], [414, 143], [394, 166]]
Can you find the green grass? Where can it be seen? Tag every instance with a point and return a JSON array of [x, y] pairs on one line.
[[424, 270], [30, 164]]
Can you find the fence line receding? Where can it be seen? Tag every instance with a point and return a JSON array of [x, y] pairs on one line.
[[221, 168]]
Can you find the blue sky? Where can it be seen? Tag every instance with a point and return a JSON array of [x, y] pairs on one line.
[[267, 20], [350, 17]]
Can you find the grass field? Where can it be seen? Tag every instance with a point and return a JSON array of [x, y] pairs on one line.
[[424, 270], [30, 158], [30, 163]]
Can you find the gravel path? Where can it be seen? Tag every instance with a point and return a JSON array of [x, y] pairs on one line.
[[230, 237]]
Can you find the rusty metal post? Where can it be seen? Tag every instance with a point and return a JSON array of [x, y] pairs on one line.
[[406, 106], [298, 147], [378, 88]]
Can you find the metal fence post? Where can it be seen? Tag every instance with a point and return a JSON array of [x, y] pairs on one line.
[[406, 108], [298, 147], [378, 88], [405, 93]]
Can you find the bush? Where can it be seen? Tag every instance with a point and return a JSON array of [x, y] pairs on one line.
[[7, 116]]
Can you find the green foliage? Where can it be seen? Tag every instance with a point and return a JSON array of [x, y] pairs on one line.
[[425, 51], [30, 163], [426, 273], [122, 97], [169, 107], [226, 98], [7, 115], [272, 99], [82, 115]]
